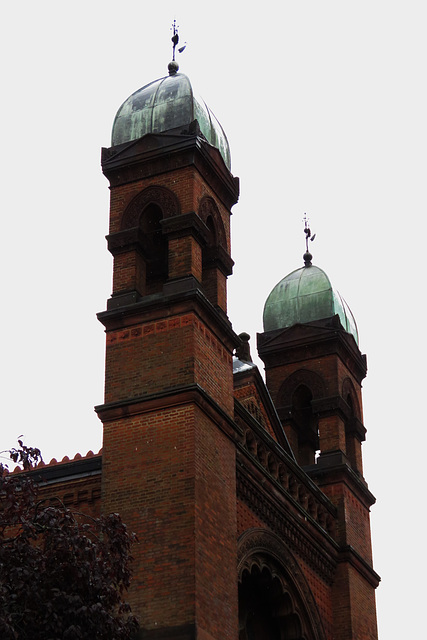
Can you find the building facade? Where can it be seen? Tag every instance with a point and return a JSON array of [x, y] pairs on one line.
[[247, 497]]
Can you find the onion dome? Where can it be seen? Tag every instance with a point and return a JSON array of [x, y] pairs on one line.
[[165, 104], [304, 296]]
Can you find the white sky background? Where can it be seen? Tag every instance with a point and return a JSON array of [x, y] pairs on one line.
[[325, 107]]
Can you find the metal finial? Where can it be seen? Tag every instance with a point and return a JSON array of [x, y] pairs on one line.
[[174, 66], [307, 255], [175, 38]]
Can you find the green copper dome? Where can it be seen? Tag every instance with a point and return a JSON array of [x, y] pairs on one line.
[[164, 104], [304, 296]]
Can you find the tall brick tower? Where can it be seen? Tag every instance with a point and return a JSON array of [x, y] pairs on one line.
[[314, 371], [168, 453]]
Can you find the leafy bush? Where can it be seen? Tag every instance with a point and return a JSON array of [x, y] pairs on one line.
[[63, 575]]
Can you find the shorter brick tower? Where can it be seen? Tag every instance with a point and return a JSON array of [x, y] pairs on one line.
[[314, 371]]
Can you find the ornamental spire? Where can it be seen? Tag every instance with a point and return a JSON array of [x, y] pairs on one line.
[[307, 255], [174, 66]]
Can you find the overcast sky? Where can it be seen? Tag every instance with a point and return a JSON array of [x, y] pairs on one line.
[[325, 108]]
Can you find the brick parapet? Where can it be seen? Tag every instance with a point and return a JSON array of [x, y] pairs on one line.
[[75, 483], [316, 549], [263, 453]]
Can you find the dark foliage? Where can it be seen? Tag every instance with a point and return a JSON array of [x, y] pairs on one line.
[[62, 575]]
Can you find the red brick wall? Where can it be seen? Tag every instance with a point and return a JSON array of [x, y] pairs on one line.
[[150, 357], [322, 593], [148, 477], [185, 258], [354, 606], [215, 540], [170, 474], [353, 523], [129, 272]]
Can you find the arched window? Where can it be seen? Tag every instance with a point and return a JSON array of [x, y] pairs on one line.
[[155, 248], [269, 607], [211, 240], [275, 600], [306, 425], [209, 273], [260, 596], [216, 260], [351, 444]]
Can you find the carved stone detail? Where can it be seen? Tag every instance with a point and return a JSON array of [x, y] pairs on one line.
[[162, 197], [280, 469], [301, 377], [275, 519]]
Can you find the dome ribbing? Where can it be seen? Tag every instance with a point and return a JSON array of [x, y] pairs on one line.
[[165, 104], [304, 296]]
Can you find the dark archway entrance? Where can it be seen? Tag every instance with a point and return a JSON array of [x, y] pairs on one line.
[[266, 610], [275, 600]]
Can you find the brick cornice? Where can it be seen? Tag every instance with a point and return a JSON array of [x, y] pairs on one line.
[[124, 240], [185, 224], [178, 396], [179, 296], [319, 554], [218, 257], [349, 554], [246, 377], [66, 471], [156, 154], [314, 340], [331, 470]]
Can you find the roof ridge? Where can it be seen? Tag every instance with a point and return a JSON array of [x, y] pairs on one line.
[[54, 462]]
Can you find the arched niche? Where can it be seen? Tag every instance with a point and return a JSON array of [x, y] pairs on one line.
[[350, 396], [216, 260], [354, 429], [140, 248], [209, 213], [154, 246]]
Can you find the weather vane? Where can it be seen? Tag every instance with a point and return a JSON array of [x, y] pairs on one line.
[[307, 256], [175, 40]]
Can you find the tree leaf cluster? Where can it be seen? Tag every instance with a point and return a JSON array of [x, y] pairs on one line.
[[63, 575]]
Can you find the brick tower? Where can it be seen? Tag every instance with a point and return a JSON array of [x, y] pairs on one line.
[[314, 371], [168, 453]]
